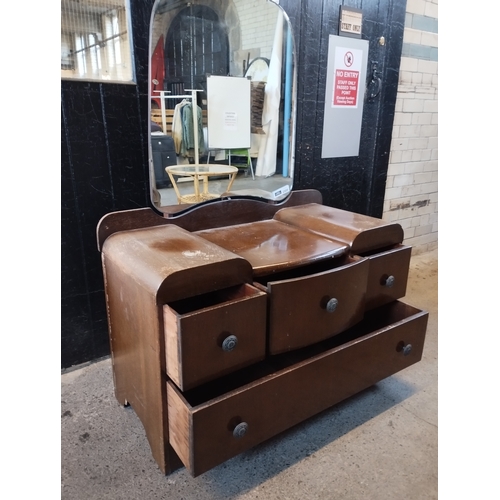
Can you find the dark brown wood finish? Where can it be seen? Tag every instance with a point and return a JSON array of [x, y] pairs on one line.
[[137, 357], [177, 288], [271, 246], [196, 352], [143, 269], [203, 435], [296, 304], [388, 276], [361, 232]]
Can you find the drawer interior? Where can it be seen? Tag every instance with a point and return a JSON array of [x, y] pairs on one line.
[[307, 270], [211, 299], [373, 323]]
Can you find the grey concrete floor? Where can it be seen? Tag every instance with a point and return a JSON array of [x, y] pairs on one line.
[[381, 444]]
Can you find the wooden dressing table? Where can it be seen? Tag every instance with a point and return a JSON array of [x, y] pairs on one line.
[[238, 319]]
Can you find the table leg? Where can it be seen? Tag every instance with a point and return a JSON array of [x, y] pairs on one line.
[[174, 185], [205, 184], [196, 187], [233, 176]]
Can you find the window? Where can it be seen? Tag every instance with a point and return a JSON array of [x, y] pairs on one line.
[[96, 41]]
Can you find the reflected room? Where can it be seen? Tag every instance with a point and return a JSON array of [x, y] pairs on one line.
[[222, 101]]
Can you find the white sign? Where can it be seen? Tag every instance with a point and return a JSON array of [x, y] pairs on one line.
[[350, 22], [230, 120]]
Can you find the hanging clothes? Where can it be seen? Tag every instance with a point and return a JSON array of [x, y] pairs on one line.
[[183, 129], [177, 129], [188, 143]]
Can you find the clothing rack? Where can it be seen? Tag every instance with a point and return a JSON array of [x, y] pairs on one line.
[[164, 95]]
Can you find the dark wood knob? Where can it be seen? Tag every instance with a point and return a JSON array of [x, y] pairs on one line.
[[389, 282], [331, 305], [240, 430], [403, 348], [229, 343], [406, 349]]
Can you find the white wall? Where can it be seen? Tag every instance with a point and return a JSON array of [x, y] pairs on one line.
[[411, 197], [258, 27]]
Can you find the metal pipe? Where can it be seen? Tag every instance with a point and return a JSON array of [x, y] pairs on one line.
[[288, 101]]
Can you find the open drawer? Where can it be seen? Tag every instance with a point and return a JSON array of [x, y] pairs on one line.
[[219, 420], [312, 303], [213, 334]]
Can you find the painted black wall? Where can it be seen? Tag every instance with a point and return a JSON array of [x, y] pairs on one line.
[[105, 160]]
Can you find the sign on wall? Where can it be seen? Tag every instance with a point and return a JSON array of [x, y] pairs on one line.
[[350, 22], [229, 116], [346, 77], [345, 89]]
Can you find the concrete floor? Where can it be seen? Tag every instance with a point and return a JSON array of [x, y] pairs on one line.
[[381, 444]]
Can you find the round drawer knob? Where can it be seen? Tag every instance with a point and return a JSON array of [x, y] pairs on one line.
[[406, 349], [389, 282], [229, 343], [240, 430], [331, 305]]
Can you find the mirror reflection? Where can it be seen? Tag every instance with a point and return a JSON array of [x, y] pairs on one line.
[[222, 97]]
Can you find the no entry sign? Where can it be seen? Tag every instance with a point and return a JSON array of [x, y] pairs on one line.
[[344, 96], [346, 80]]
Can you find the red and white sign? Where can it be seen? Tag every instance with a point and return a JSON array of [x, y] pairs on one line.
[[346, 77]]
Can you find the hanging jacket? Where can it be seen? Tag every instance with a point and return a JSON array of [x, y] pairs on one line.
[[187, 144], [177, 129]]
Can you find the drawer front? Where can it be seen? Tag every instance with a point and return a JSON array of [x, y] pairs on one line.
[[208, 434], [206, 343], [388, 276], [306, 310]]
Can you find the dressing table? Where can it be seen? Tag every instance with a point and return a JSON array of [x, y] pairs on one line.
[[237, 318]]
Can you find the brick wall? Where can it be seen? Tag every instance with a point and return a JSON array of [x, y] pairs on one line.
[[411, 197], [258, 27]]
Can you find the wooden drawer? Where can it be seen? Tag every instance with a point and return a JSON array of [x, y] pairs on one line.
[[208, 426], [213, 334], [388, 276], [308, 308]]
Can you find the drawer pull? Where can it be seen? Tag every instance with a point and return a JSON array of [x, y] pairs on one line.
[[240, 430], [404, 348], [389, 281], [229, 343], [331, 305]]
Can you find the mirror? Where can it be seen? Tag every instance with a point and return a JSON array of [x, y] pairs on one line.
[[96, 41], [222, 101]]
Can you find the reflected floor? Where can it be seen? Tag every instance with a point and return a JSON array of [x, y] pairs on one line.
[[243, 185]]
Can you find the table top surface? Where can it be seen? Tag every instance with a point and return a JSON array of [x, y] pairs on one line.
[[272, 246], [201, 169]]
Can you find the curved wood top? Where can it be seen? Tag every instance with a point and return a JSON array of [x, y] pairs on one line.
[[271, 246], [172, 263], [362, 233]]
